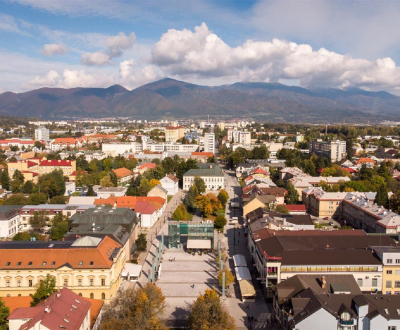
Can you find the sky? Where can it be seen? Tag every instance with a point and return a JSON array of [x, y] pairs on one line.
[[98, 43]]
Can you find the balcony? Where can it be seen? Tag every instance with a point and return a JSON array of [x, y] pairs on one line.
[[346, 322]]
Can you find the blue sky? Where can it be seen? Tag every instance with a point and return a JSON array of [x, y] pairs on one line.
[[97, 43]]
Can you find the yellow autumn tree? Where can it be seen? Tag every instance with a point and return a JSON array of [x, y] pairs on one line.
[[154, 182]]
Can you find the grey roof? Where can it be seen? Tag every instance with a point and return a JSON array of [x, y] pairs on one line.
[[161, 188], [205, 170], [9, 211]]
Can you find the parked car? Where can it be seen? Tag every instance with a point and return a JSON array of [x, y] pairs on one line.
[[326, 218], [331, 223]]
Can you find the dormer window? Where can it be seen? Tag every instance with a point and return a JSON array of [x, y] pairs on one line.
[[30, 263], [345, 316], [44, 263], [80, 263], [8, 263], [53, 263]]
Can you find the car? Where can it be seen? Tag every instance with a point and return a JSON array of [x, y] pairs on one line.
[[326, 218], [331, 223]]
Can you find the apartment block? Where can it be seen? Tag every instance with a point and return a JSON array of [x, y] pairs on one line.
[[174, 133], [335, 150]]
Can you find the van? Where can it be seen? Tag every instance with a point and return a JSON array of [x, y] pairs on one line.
[[234, 221]]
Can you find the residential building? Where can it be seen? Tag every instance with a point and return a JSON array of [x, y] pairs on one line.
[[47, 166], [210, 173], [119, 148], [64, 309], [106, 192], [9, 220], [28, 168], [174, 133], [131, 201], [335, 150], [201, 156], [42, 134], [124, 176], [278, 221], [390, 257], [140, 169], [279, 255], [89, 266], [158, 191], [288, 173], [360, 212], [304, 182], [170, 183], [148, 212], [209, 142], [64, 143]]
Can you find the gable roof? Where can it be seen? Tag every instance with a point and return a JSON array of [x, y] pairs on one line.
[[147, 166], [122, 172]]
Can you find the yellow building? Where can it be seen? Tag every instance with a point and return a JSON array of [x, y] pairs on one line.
[[390, 257], [172, 133], [89, 266], [322, 204]]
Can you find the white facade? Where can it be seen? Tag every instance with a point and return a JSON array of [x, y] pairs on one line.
[[212, 182], [121, 147], [170, 185], [42, 134], [106, 192], [209, 142], [245, 137], [9, 227]]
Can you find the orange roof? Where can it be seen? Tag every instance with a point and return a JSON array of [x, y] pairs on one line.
[[122, 172], [205, 154], [173, 127], [173, 177], [72, 256], [365, 160], [65, 140], [129, 201], [95, 308], [147, 165]]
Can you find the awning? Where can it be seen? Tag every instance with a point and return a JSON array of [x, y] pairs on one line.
[[242, 273], [132, 269], [199, 244], [239, 260], [247, 288]]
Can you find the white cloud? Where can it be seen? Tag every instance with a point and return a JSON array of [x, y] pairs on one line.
[[132, 77], [12, 25], [70, 79], [202, 54], [116, 45], [54, 49]]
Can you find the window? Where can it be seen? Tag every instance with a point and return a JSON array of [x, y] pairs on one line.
[[389, 261], [374, 282], [30, 283], [8, 263], [103, 296], [80, 263], [19, 263], [391, 327], [388, 284], [30, 263], [79, 282], [397, 261], [103, 281], [91, 282], [44, 263], [91, 296], [397, 272], [65, 282], [53, 263], [91, 263], [18, 283], [360, 282], [397, 284], [389, 272], [8, 283]]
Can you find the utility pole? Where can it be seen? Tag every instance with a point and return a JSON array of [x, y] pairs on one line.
[[223, 283]]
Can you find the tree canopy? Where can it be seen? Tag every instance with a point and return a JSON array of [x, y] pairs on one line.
[[44, 289]]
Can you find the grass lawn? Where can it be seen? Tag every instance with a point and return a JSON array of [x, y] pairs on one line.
[[169, 198]]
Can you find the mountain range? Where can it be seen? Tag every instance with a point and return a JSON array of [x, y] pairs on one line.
[[169, 98]]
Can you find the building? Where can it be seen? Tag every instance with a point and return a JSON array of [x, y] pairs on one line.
[[9, 220], [279, 255], [47, 166], [172, 133], [106, 192], [158, 191], [210, 173], [89, 266], [62, 310], [42, 134], [335, 150], [64, 143], [209, 142], [302, 183], [360, 212], [390, 257], [124, 175], [170, 183]]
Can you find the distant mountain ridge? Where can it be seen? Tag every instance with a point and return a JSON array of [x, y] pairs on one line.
[[169, 98]]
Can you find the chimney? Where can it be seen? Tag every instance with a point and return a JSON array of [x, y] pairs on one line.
[[323, 282]]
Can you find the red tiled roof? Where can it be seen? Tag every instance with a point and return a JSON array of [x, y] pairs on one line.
[[259, 170], [365, 160], [147, 165], [173, 178], [65, 140], [145, 208], [55, 162], [122, 172], [129, 201], [33, 173], [296, 207], [205, 154], [173, 127]]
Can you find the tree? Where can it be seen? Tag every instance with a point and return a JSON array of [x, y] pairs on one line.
[[381, 197], [141, 242], [135, 309], [22, 236], [52, 184], [28, 187], [208, 204], [261, 152], [59, 227], [229, 278], [113, 178], [177, 215], [292, 196], [17, 199], [44, 289], [39, 220], [5, 179], [4, 313], [106, 182], [208, 313], [282, 209], [220, 222], [144, 187], [17, 181], [200, 184], [190, 197], [90, 191], [223, 197], [58, 200], [154, 182]]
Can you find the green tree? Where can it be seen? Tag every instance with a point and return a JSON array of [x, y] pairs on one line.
[[282, 209], [135, 309], [208, 313], [200, 184], [106, 182], [39, 220], [144, 187], [22, 236], [261, 152], [59, 227], [223, 197], [52, 184], [220, 222], [229, 277], [114, 178], [381, 197], [177, 215], [189, 198], [4, 313], [44, 289], [28, 187], [58, 200], [17, 199], [292, 196], [141, 242], [17, 181], [5, 179], [90, 191]]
